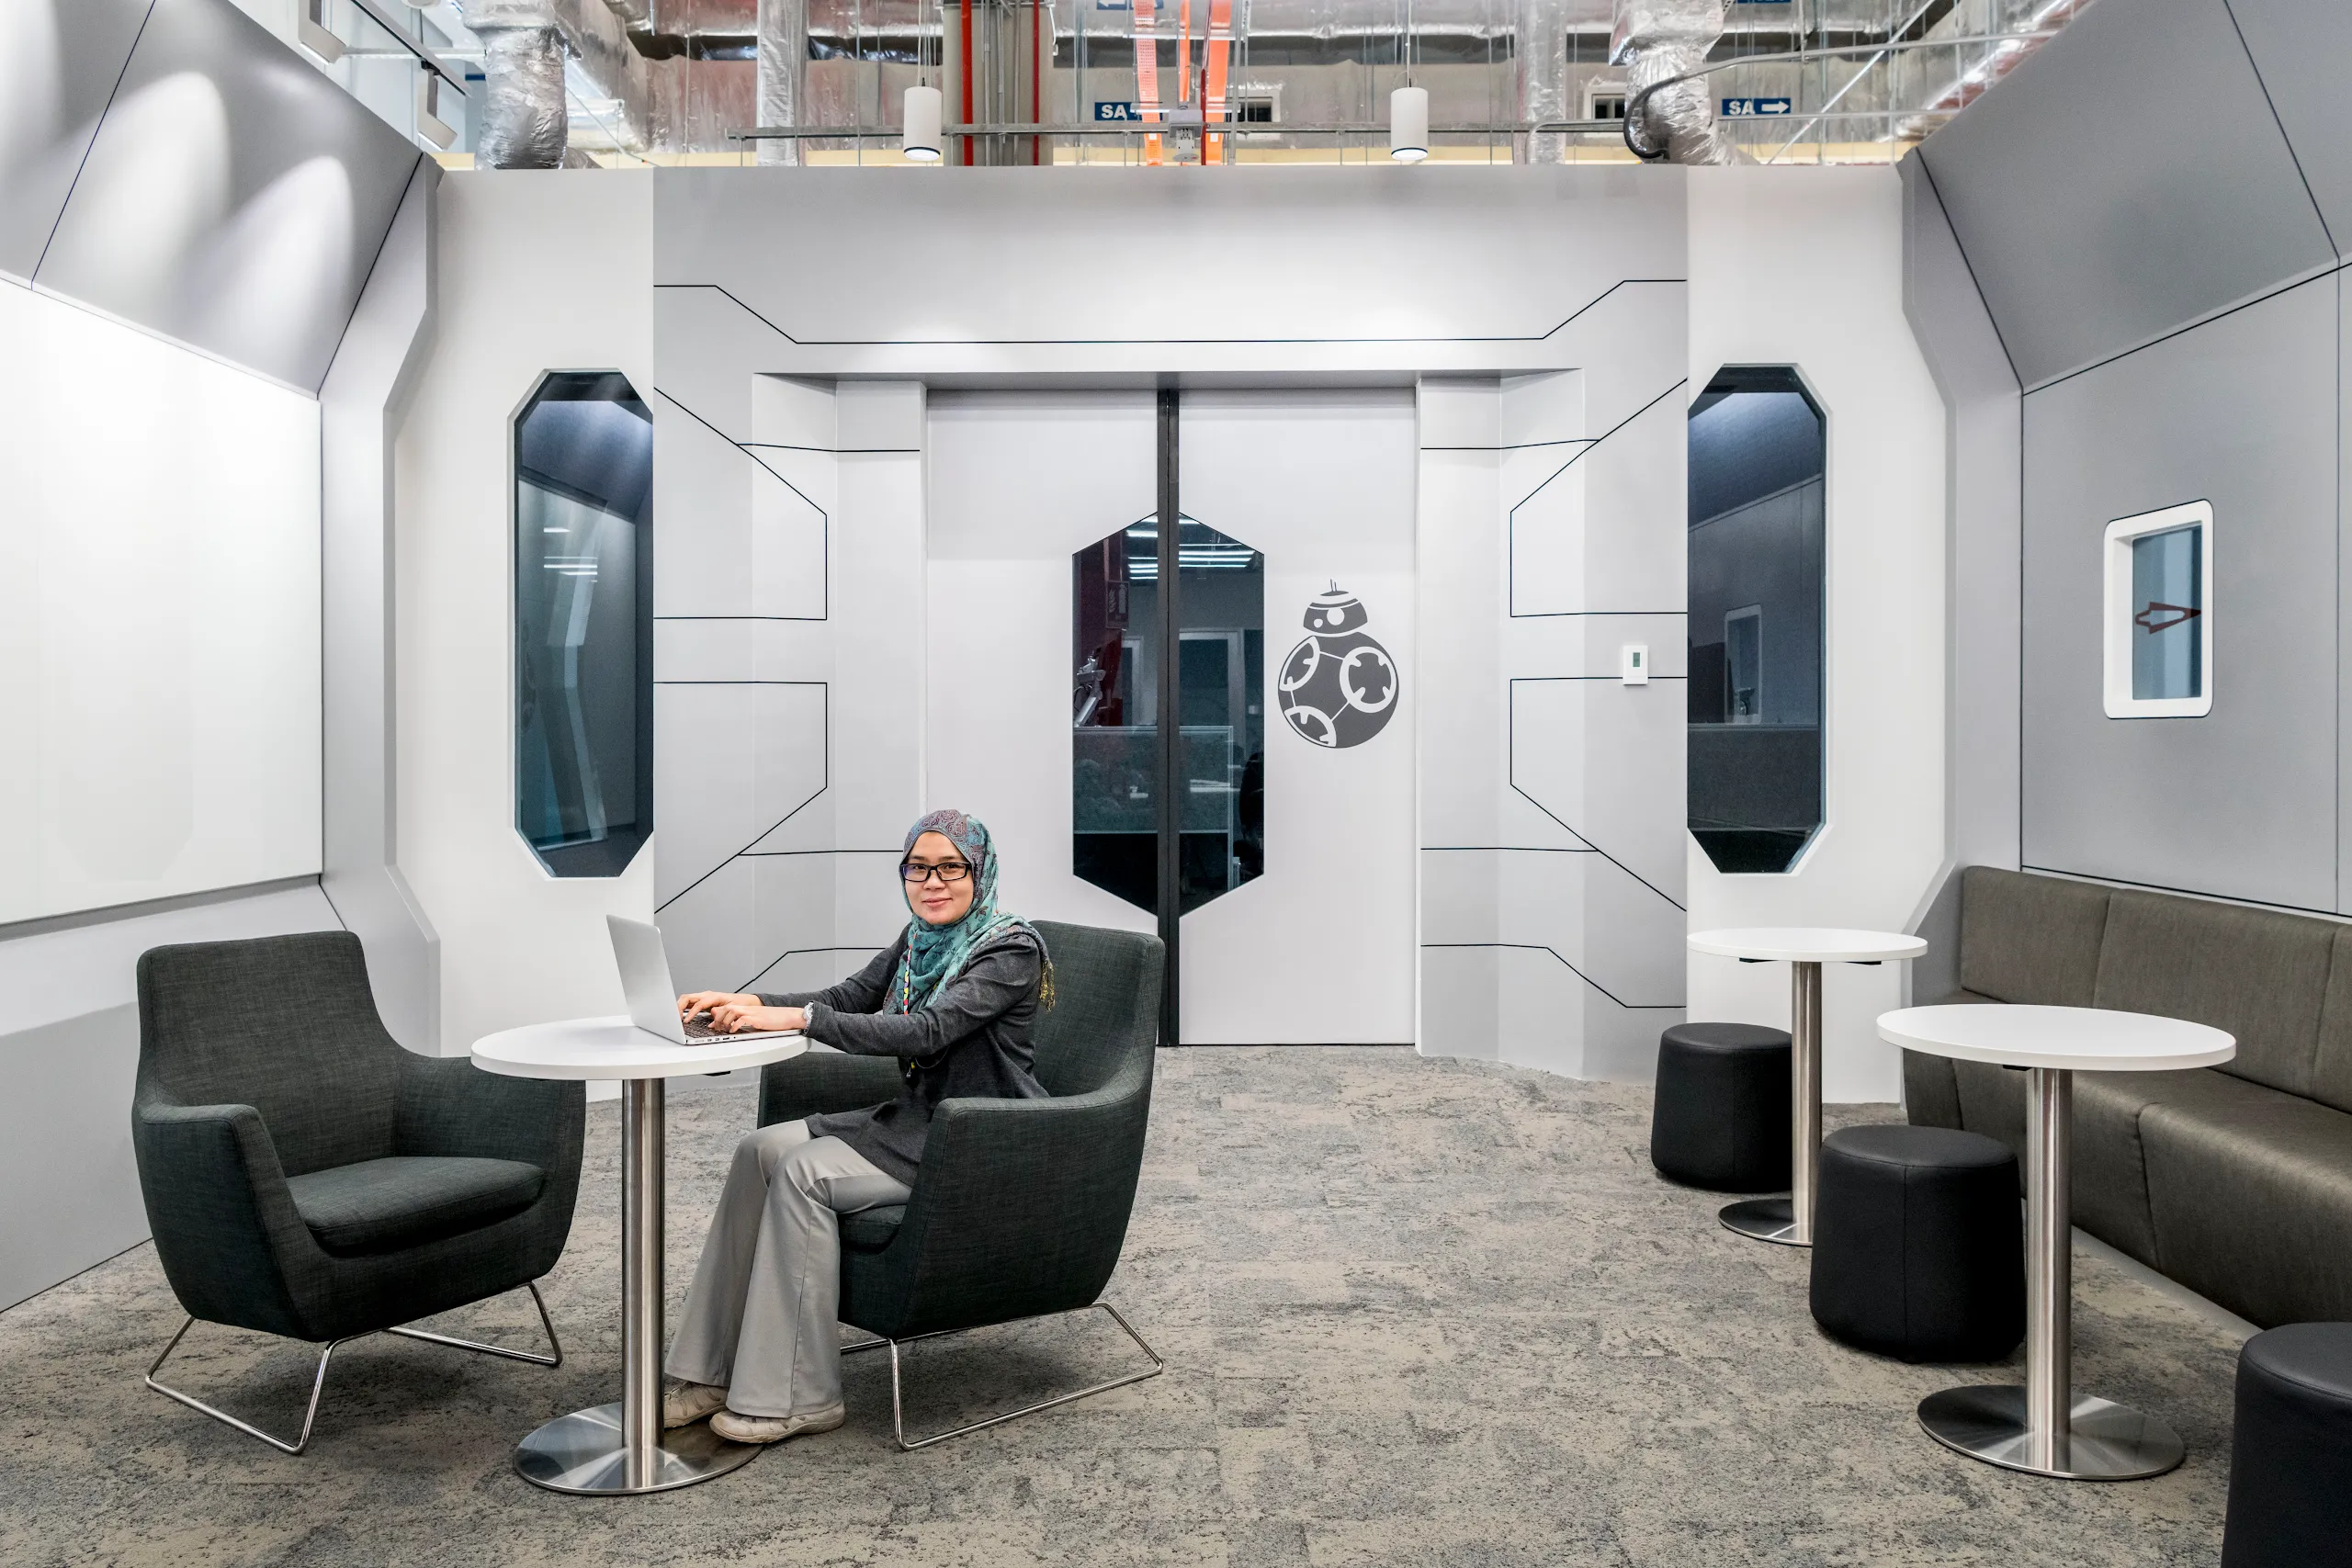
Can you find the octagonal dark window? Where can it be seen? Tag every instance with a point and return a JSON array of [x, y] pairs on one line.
[[583, 622], [1119, 649], [1759, 451]]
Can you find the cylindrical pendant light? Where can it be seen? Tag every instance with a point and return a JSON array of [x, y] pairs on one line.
[[1409, 124], [921, 140]]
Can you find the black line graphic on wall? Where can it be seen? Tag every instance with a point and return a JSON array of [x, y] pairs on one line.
[[1339, 686]]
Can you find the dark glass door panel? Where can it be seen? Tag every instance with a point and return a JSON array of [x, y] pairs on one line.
[[1116, 642]]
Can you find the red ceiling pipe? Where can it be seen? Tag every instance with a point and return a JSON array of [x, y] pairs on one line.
[[967, 10]]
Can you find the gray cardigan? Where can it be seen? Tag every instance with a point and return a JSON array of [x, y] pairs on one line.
[[972, 1042]]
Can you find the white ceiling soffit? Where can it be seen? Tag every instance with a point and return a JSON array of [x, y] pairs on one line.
[[231, 197]]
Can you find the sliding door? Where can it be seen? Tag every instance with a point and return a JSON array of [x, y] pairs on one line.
[[1168, 644]]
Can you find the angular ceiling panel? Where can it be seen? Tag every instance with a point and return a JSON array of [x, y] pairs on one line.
[[59, 68], [2094, 215], [2300, 48], [233, 198]]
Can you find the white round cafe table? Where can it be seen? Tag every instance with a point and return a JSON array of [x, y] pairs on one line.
[[620, 1448], [2043, 1429], [1789, 1221]]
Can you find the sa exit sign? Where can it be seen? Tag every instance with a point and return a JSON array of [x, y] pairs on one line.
[[1756, 109], [1120, 112]]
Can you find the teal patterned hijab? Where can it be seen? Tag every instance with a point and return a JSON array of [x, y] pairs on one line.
[[936, 954]]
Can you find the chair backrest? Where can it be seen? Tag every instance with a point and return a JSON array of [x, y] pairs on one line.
[[285, 1024], [1106, 1005]]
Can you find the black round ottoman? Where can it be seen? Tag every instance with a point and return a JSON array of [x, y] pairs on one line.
[[1721, 1117], [1919, 1244], [2290, 1473]]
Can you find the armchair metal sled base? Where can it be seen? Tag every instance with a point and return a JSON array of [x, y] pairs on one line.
[[898, 1412], [326, 1353]]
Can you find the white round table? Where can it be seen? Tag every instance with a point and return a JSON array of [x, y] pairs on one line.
[[621, 1447], [1789, 1221], [2043, 1429]]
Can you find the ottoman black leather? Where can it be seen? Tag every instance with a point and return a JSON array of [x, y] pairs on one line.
[[1919, 1244], [1721, 1117], [2290, 1473]]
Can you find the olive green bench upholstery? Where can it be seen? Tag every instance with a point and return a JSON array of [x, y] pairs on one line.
[[2235, 1180]]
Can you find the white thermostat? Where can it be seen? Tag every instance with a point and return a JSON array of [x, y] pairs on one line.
[[1634, 663]]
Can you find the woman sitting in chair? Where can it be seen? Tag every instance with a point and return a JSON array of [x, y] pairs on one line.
[[955, 998]]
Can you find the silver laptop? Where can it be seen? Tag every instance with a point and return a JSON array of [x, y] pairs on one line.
[[645, 981]]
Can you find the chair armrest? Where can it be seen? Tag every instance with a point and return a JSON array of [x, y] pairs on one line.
[[450, 1107], [1021, 1205], [224, 1222], [820, 1083]]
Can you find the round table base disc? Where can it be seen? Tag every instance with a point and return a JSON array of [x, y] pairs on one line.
[[2109, 1441], [1764, 1219], [580, 1453]]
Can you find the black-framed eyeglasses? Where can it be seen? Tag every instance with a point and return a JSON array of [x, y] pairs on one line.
[[951, 871]]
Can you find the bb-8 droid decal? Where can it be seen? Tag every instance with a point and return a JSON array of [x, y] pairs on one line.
[[1339, 686]]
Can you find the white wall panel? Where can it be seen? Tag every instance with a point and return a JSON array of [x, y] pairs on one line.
[[518, 945], [1759, 296], [1551, 828], [159, 617]]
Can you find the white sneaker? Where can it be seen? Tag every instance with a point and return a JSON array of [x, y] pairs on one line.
[[774, 1429], [684, 1403]]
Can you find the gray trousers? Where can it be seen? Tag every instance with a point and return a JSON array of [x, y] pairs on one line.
[[760, 1319]]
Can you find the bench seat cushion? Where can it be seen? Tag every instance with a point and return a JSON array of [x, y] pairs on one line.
[[2111, 1181], [389, 1205], [2252, 1194]]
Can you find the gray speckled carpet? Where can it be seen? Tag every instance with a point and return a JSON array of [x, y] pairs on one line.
[[1415, 1312]]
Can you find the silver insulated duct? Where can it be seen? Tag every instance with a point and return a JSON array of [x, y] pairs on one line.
[[523, 117], [1541, 59], [1657, 39], [783, 50]]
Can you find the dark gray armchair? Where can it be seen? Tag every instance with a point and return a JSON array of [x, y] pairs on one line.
[[305, 1176], [1021, 1205]]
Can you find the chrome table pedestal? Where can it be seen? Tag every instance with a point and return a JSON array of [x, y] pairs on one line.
[[621, 1449], [2043, 1429], [1789, 1221]]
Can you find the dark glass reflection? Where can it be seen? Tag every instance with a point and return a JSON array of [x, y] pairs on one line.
[[583, 622], [1115, 758], [1758, 455]]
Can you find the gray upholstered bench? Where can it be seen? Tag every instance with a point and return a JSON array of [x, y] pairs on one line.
[[2235, 1180]]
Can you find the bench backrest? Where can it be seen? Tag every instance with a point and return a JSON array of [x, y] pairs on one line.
[[2281, 983]]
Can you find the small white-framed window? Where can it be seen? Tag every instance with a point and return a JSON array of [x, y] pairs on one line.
[[1744, 665], [2159, 621]]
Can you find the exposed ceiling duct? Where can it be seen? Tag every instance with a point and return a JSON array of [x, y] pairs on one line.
[[784, 51], [525, 120], [1655, 41]]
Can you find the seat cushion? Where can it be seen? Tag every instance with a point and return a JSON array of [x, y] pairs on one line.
[[2293, 1440], [1719, 1118], [871, 1230], [2110, 1167], [1917, 1250], [388, 1206], [2251, 1191]]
